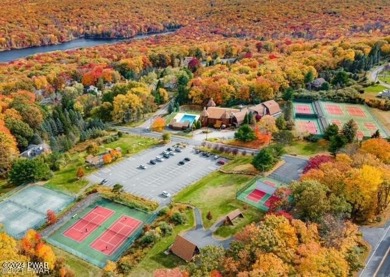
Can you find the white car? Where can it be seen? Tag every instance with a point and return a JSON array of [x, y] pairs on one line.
[[166, 194], [159, 159], [142, 166]]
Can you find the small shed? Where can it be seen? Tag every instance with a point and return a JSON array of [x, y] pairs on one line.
[[230, 217], [184, 248]]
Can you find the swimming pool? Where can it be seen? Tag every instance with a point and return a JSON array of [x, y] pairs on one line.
[[188, 117]]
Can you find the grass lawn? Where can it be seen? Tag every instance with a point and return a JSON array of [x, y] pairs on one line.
[[131, 144], [5, 187], [306, 148], [251, 214], [65, 179], [78, 266], [216, 193], [156, 258], [385, 77], [241, 163], [375, 89]]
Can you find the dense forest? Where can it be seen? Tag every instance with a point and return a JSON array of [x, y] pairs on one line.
[[42, 22]]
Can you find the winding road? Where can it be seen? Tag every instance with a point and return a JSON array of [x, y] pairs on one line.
[[373, 75]]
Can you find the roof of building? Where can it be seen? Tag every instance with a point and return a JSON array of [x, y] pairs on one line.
[[204, 113], [318, 82], [240, 115], [179, 125], [217, 112], [211, 103], [259, 108], [272, 107], [184, 248], [234, 214]]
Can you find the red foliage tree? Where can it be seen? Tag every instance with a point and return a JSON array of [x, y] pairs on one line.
[[51, 217], [316, 161]]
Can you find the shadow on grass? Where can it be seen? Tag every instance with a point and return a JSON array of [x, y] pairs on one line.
[[168, 261]]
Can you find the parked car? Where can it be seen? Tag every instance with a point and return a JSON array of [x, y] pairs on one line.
[[159, 159], [204, 154], [178, 149], [221, 162], [165, 194], [103, 182], [169, 149], [187, 159], [197, 151], [166, 156], [216, 157], [181, 163], [171, 154], [152, 162], [142, 166]]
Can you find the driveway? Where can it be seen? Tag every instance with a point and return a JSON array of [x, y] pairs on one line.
[[290, 170], [373, 75], [201, 237], [378, 264], [163, 176]]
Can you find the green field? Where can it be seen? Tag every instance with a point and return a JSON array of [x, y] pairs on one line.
[[83, 249], [306, 148], [215, 193], [65, 179], [385, 77], [375, 89]]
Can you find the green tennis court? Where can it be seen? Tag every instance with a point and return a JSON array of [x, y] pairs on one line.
[[340, 113], [100, 232], [260, 193]]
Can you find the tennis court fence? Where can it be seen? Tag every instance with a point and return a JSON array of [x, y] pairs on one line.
[[250, 183]]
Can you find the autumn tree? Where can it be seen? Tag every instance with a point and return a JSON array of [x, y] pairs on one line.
[[316, 161], [268, 124], [107, 158], [8, 149], [206, 261], [33, 246], [51, 217], [158, 124], [378, 147], [80, 173], [126, 107]]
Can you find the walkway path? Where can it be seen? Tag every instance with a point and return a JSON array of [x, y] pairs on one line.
[[202, 237]]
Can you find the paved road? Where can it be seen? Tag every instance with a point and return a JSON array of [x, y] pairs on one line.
[[373, 75], [163, 176], [291, 170], [378, 264]]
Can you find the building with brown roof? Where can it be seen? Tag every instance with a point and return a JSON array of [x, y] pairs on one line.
[[230, 217], [218, 117], [184, 248]]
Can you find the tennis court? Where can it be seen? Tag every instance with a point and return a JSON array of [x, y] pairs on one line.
[[311, 126], [260, 193], [116, 234], [27, 209], [340, 113], [87, 224], [100, 232], [304, 108]]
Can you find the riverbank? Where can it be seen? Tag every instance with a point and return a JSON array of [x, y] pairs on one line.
[[81, 42]]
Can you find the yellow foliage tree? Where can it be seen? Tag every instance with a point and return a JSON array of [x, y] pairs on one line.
[[126, 107]]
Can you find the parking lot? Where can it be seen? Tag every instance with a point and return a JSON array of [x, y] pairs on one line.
[[290, 171], [167, 175]]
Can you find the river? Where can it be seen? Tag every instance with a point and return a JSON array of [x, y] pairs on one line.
[[12, 55]]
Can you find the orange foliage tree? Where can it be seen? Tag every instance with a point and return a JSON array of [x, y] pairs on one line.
[[51, 217], [158, 124]]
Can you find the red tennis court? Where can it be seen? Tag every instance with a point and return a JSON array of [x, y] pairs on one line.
[[256, 195], [87, 224], [370, 126], [356, 111], [337, 122], [333, 109], [303, 109], [270, 201], [309, 127], [360, 135], [116, 235]]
